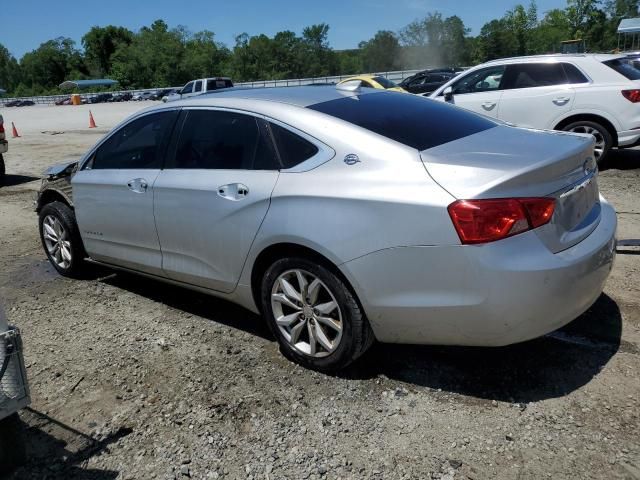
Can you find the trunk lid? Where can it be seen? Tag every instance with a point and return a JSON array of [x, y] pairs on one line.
[[507, 162]]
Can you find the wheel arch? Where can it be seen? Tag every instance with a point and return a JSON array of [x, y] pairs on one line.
[[277, 251], [51, 195], [590, 117]]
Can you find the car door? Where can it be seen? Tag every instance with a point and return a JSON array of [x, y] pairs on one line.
[[536, 94], [113, 194], [480, 90], [212, 196], [187, 90]]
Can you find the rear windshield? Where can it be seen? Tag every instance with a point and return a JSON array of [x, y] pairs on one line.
[[624, 67], [384, 82], [415, 121]]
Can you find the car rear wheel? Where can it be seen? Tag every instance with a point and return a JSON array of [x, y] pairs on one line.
[[604, 140], [61, 239], [314, 315]]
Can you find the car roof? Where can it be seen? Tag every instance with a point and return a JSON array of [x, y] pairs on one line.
[[601, 57], [303, 96]]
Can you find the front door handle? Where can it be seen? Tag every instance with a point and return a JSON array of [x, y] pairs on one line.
[[233, 191], [138, 185], [560, 101], [488, 105]]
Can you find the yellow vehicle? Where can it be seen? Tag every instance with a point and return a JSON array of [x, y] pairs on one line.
[[369, 81]]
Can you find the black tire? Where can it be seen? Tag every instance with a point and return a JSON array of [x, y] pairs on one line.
[[77, 267], [357, 335], [2, 170], [584, 126], [12, 444]]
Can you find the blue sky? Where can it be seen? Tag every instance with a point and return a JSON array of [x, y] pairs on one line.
[[24, 24]]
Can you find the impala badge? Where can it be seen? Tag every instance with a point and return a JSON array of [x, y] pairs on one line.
[[351, 159]]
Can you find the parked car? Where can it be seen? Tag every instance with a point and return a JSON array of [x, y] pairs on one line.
[[63, 101], [140, 96], [198, 87], [343, 216], [14, 396], [19, 103], [160, 94], [100, 98], [4, 147], [369, 81], [428, 80], [593, 94], [121, 97]]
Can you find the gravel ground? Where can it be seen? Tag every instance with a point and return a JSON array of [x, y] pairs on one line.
[[134, 379]]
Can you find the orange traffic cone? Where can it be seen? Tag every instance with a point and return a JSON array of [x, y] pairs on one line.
[[14, 131], [92, 123]]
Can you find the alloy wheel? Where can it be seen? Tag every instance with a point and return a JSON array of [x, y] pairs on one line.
[[306, 313], [56, 239], [600, 145]]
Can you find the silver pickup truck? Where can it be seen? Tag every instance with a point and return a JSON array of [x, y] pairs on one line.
[[14, 395], [4, 146]]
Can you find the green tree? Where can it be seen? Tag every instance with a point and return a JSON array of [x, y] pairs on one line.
[[381, 53], [100, 43], [50, 64], [9, 70]]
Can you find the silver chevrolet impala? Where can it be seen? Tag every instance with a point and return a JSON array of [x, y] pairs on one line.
[[343, 216]]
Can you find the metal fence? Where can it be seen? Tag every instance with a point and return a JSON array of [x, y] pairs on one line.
[[395, 76]]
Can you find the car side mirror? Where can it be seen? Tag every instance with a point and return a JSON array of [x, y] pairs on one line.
[[448, 94]]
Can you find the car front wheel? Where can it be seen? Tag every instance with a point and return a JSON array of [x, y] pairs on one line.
[[314, 315], [604, 141], [61, 239]]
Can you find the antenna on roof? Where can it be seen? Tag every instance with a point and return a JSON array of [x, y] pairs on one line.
[[350, 86]]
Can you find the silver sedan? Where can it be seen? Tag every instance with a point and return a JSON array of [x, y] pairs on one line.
[[343, 217]]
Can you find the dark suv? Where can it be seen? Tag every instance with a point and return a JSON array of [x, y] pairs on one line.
[[429, 80]]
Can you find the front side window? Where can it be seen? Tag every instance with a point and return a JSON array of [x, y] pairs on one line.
[[188, 88], [138, 145], [531, 75], [293, 149], [219, 140], [484, 80], [198, 86]]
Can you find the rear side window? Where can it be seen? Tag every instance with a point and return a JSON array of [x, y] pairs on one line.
[[573, 74], [531, 75], [293, 149], [415, 121], [624, 67], [384, 82], [218, 140], [139, 144], [198, 86]]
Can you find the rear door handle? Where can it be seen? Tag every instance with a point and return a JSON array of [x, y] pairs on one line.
[[488, 105], [561, 101], [138, 185], [233, 191]]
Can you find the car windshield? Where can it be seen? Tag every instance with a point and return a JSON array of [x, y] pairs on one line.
[[624, 67], [415, 121], [384, 82]]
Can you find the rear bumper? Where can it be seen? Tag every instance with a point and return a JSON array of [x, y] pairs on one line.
[[628, 138], [490, 295]]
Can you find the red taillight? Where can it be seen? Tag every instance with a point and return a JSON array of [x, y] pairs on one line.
[[483, 221], [631, 95]]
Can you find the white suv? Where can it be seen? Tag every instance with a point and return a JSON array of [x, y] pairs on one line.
[[596, 94]]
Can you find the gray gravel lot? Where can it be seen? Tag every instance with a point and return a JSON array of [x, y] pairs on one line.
[[134, 379]]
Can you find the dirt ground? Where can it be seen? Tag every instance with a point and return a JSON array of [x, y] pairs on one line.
[[133, 379]]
